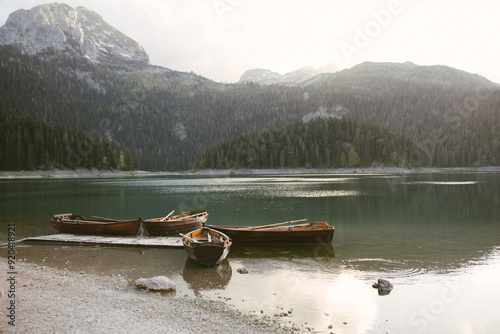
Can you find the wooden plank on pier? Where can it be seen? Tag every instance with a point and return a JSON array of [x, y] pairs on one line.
[[110, 240]]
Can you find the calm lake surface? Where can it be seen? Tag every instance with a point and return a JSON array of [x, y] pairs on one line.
[[436, 237]]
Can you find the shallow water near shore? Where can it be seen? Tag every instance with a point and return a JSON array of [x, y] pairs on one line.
[[436, 237]]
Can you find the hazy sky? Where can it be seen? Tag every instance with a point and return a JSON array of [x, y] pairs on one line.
[[220, 39]]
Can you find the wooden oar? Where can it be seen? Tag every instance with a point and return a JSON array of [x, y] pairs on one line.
[[165, 218], [106, 219], [272, 225], [188, 237]]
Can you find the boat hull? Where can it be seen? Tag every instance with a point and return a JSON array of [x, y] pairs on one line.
[[207, 255], [79, 225], [238, 234], [207, 252], [191, 220]]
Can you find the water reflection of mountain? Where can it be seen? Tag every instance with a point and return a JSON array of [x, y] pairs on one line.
[[200, 278]]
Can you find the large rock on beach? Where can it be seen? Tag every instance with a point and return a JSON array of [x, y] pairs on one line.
[[157, 283]]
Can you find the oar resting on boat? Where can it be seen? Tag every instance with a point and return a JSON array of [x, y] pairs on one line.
[[167, 216], [302, 233], [187, 220], [272, 225], [105, 219], [188, 237], [76, 224]]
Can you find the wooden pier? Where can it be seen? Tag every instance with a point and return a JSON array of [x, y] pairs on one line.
[[166, 242]]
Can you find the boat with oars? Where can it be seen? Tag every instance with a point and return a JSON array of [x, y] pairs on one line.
[[285, 232], [169, 224], [76, 224], [206, 246]]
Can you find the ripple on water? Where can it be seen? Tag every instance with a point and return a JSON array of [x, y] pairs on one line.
[[375, 266]]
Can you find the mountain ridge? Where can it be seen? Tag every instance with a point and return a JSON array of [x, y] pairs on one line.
[[410, 72], [83, 32], [296, 77]]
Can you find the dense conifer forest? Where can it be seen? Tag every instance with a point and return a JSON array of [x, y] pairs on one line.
[[319, 143], [29, 144], [160, 123]]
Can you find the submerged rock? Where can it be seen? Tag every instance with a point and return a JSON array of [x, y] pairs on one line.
[[157, 283], [384, 286]]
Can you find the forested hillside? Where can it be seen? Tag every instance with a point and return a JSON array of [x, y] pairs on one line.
[[451, 116], [29, 144], [168, 123], [320, 143]]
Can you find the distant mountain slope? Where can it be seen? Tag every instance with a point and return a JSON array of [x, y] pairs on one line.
[[169, 124], [268, 77], [442, 108], [370, 75]]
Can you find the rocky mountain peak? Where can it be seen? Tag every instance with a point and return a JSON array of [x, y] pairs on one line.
[[75, 30]]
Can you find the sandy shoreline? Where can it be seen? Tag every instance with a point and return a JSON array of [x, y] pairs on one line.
[[56, 301], [82, 173]]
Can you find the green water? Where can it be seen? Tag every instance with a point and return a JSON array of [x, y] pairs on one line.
[[436, 237]]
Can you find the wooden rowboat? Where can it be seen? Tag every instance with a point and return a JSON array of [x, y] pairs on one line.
[[279, 233], [186, 220], [206, 246], [76, 224]]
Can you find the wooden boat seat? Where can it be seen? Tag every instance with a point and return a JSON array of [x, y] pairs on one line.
[[208, 238]]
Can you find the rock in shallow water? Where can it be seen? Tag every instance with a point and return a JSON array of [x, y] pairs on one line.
[[157, 283], [242, 270], [384, 286]]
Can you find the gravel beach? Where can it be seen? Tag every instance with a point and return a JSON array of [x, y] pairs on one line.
[[56, 301]]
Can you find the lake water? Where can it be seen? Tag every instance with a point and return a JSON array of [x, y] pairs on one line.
[[436, 237]]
